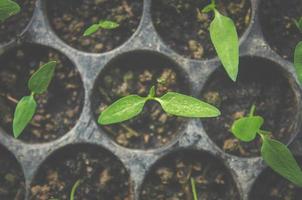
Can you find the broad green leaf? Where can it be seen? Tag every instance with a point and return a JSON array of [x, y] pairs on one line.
[[281, 160], [8, 8], [186, 106], [246, 128], [298, 61], [225, 39], [92, 29], [74, 189], [41, 79], [24, 112], [106, 24], [122, 110]]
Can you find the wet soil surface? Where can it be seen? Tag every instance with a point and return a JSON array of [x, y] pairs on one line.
[[170, 178], [13, 26], [277, 20], [70, 18], [190, 35], [261, 83], [136, 73], [102, 176], [58, 108]]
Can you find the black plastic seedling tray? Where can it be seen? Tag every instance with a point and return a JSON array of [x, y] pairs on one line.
[[192, 137]]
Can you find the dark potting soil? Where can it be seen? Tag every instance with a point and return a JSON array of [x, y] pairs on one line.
[[12, 184], [170, 178], [262, 83], [103, 177], [182, 25], [70, 18], [271, 186], [58, 108], [277, 20], [136, 73], [13, 26]]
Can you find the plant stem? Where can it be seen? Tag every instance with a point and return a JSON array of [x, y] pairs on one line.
[[193, 185]]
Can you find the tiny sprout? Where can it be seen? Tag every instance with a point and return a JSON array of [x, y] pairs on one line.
[[298, 53], [26, 107], [73, 190], [225, 40], [193, 186], [275, 154], [103, 24], [8, 8], [298, 23], [172, 103]]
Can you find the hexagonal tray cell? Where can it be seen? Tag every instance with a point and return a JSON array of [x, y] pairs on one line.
[[70, 18], [277, 22], [170, 177], [102, 175], [191, 36], [12, 183], [260, 82], [135, 73], [271, 186], [11, 28], [58, 108]]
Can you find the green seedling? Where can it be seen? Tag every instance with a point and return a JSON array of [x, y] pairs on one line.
[[103, 24], [73, 190], [193, 186], [8, 8], [27, 106], [298, 53], [173, 103], [225, 40], [275, 154]]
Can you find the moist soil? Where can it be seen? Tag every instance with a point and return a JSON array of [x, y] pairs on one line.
[[14, 26], [102, 176], [271, 186], [260, 83], [58, 108], [12, 184], [170, 178], [70, 18], [191, 36], [277, 20], [153, 127]]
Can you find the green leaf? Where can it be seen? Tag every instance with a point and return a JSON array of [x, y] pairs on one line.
[[74, 189], [298, 61], [40, 80], [8, 8], [246, 128], [92, 29], [225, 39], [299, 23], [106, 24], [186, 106], [122, 110], [281, 160], [24, 112], [209, 7]]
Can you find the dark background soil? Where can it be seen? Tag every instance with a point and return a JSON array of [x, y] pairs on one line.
[[70, 18], [58, 108]]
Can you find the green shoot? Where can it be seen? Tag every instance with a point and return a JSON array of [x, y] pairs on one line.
[[8, 8], [275, 154], [298, 23], [225, 40], [193, 185], [27, 106], [103, 24], [173, 103], [298, 53], [74, 189]]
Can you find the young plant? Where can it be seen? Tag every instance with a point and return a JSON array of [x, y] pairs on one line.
[[173, 103], [73, 190], [193, 186], [298, 53], [27, 106], [103, 24], [8, 8], [275, 154], [225, 40]]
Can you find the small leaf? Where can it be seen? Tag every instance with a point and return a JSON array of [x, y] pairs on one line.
[[298, 61], [225, 39], [246, 128], [24, 112], [281, 160], [122, 110], [186, 106], [40, 80], [299, 23], [91, 29], [8, 8], [106, 24]]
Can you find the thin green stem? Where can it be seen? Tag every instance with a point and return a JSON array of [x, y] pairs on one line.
[[74, 189], [252, 110], [193, 185]]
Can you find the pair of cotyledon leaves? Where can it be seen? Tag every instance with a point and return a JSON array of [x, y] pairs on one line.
[[274, 153], [103, 24], [8, 8], [27, 106]]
